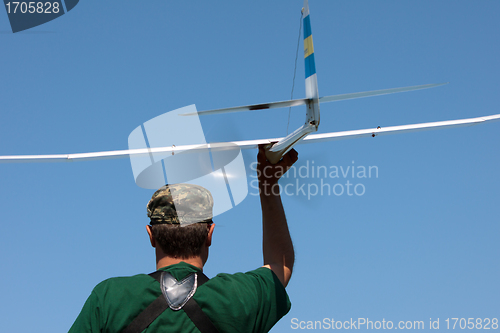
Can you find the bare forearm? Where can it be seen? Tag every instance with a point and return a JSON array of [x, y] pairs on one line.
[[277, 245]]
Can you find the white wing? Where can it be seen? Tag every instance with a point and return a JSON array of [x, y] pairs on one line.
[[249, 144], [344, 97], [302, 101], [399, 129], [253, 107]]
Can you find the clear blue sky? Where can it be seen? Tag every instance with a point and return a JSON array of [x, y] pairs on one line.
[[420, 243]]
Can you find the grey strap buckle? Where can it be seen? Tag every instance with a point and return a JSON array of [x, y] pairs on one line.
[[177, 293]]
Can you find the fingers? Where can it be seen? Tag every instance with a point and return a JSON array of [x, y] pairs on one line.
[[289, 159], [286, 161], [268, 173], [294, 156], [261, 156]]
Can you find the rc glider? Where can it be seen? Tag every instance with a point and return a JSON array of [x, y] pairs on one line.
[[276, 147]]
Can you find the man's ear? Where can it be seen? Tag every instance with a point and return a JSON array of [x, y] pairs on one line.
[[210, 232], [151, 238]]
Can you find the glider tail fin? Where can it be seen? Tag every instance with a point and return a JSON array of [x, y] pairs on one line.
[[310, 69], [278, 149]]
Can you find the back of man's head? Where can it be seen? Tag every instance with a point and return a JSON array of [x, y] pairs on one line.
[[181, 215]]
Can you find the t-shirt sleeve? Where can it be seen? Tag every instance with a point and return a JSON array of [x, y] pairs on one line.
[[244, 302], [274, 301], [88, 320]]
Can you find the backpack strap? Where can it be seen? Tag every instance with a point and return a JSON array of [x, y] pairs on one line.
[[159, 305]]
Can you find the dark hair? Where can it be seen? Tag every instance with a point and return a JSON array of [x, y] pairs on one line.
[[181, 242]]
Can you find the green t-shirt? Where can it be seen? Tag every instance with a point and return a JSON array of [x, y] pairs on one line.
[[241, 302]]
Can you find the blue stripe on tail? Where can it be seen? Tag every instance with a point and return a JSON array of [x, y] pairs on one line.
[[307, 27], [310, 66]]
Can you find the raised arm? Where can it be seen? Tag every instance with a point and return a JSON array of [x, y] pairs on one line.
[[276, 242]]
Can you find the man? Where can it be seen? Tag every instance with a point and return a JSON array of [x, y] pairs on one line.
[[181, 231]]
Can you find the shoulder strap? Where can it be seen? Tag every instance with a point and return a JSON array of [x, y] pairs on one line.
[[198, 317], [156, 308]]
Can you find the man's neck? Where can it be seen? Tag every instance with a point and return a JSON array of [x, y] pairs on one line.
[[167, 261]]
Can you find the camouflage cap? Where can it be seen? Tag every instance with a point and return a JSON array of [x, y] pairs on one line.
[[182, 204]]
